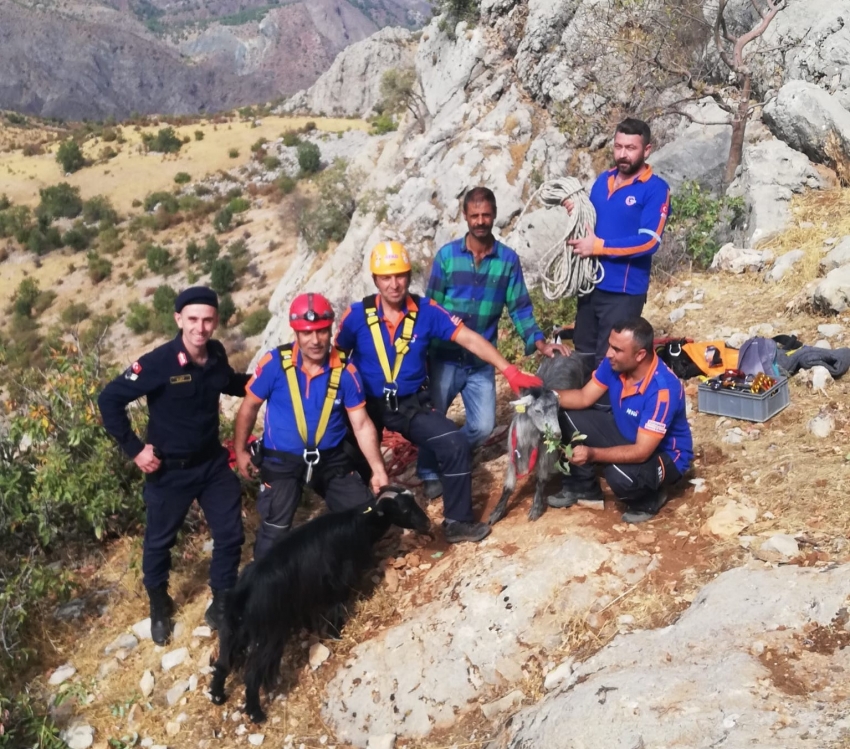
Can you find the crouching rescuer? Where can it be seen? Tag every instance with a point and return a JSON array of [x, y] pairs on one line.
[[389, 335], [643, 443], [182, 457], [308, 387]]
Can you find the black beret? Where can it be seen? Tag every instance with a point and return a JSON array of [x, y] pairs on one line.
[[196, 295]]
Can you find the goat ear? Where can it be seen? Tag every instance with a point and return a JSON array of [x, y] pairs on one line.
[[523, 403]]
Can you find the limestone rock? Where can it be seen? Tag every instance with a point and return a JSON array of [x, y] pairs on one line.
[[821, 426], [737, 259], [62, 674], [122, 642], [319, 653], [560, 675], [508, 702], [830, 330], [172, 728], [837, 256], [142, 629], [146, 684], [174, 658], [382, 741], [78, 736], [779, 548], [256, 739], [173, 695], [729, 520], [202, 631], [833, 292], [783, 264]]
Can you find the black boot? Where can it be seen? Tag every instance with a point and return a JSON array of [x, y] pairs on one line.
[[162, 607], [214, 615]]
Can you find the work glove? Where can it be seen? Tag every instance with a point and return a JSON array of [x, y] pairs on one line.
[[518, 379]]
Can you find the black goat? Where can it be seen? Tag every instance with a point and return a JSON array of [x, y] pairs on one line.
[[305, 578], [535, 418]]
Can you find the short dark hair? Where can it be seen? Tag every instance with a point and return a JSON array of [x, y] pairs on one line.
[[642, 332], [479, 195], [634, 126]]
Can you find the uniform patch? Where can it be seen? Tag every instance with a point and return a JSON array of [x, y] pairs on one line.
[[136, 367], [659, 427], [456, 320], [182, 359], [178, 379], [130, 375], [664, 209], [631, 200]]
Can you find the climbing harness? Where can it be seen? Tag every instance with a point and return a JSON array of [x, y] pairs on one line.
[[402, 346], [564, 274], [311, 451]]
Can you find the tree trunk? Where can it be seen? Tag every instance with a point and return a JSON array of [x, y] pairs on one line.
[[739, 128]]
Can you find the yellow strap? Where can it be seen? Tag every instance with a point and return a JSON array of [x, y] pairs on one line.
[[297, 404], [402, 343]]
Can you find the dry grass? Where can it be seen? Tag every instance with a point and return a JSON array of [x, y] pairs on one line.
[[132, 174], [518, 152]]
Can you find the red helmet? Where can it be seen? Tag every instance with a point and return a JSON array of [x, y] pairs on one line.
[[310, 312]]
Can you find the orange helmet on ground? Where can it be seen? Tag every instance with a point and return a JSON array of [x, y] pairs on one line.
[[310, 312], [389, 258]]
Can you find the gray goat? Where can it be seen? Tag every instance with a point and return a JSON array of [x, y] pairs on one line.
[[536, 413]]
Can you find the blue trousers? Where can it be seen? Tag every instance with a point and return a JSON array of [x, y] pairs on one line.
[[169, 494], [477, 388]]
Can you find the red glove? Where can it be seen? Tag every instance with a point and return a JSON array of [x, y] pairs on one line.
[[518, 379]]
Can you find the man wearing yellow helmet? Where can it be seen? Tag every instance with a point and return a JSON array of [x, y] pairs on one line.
[[388, 335]]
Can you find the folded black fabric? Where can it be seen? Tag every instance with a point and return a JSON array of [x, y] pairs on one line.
[[836, 361]]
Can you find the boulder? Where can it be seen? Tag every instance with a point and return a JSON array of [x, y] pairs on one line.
[[771, 173], [729, 520], [783, 264], [837, 256], [78, 736], [806, 117], [832, 293], [739, 259], [61, 675], [122, 642]]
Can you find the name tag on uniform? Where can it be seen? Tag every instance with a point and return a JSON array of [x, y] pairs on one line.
[[178, 379]]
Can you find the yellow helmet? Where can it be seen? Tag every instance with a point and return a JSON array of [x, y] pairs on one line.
[[389, 258]]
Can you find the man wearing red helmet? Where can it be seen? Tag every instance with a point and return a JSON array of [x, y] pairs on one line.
[[389, 334], [309, 384]]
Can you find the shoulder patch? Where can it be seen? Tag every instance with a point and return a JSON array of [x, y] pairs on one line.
[[267, 357], [136, 367], [659, 427], [456, 320], [182, 359]]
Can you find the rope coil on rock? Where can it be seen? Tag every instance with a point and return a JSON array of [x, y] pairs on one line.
[[562, 273]]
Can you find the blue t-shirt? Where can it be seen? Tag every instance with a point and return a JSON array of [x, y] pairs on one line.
[[432, 321], [629, 223], [655, 405], [280, 431]]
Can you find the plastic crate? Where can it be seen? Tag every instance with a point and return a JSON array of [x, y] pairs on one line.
[[742, 405]]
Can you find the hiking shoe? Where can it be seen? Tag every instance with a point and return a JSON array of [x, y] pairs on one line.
[[567, 497], [162, 607], [214, 615], [433, 489], [457, 532], [640, 512]]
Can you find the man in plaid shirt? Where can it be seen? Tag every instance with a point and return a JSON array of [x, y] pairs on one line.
[[475, 278]]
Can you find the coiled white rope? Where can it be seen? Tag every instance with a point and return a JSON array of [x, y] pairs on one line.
[[563, 273]]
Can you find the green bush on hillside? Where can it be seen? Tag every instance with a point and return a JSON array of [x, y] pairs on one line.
[[256, 322], [59, 201], [309, 158], [329, 216], [70, 156], [99, 268], [99, 210], [165, 141], [162, 201], [182, 178]]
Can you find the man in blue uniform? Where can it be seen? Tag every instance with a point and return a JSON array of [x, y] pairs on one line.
[[643, 443], [308, 388], [389, 335], [476, 277], [632, 205], [182, 457]]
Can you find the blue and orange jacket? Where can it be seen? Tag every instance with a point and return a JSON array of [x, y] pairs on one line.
[[629, 224]]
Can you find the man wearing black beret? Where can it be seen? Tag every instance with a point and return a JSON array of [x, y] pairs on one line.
[[182, 457]]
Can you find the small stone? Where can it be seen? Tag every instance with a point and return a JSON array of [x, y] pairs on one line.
[[256, 739], [146, 684], [823, 343], [645, 537], [830, 330], [172, 728], [591, 504], [142, 629], [626, 620], [146, 742], [391, 579], [235, 716], [174, 658], [821, 426], [677, 314], [177, 632], [173, 695], [193, 682], [734, 436], [202, 631], [241, 729], [62, 674], [78, 736], [122, 642], [508, 702], [758, 647], [784, 545], [318, 655], [559, 675]]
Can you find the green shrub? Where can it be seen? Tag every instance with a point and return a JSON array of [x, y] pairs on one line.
[[191, 204], [166, 201], [76, 239], [25, 296], [59, 201], [99, 210], [209, 253], [193, 251], [99, 267], [15, 221], [222, 276], [226, 309], [223, 219], [181, 178], [233, 153], [239, 205], [159, 259], [329, 215], [234, 192], [109, 240], [109, 135], [286, 184], [202, 190], [4, 202], [43, 301], [165, 141], [382, 124], [256, 322], [70, 156], [75, 313], [270, 163], [309, 158], [258, 145], [199, 134], [291, 139], [138, 319], [548, 314]]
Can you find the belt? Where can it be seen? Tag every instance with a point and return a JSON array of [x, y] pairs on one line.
[[173, 462]]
